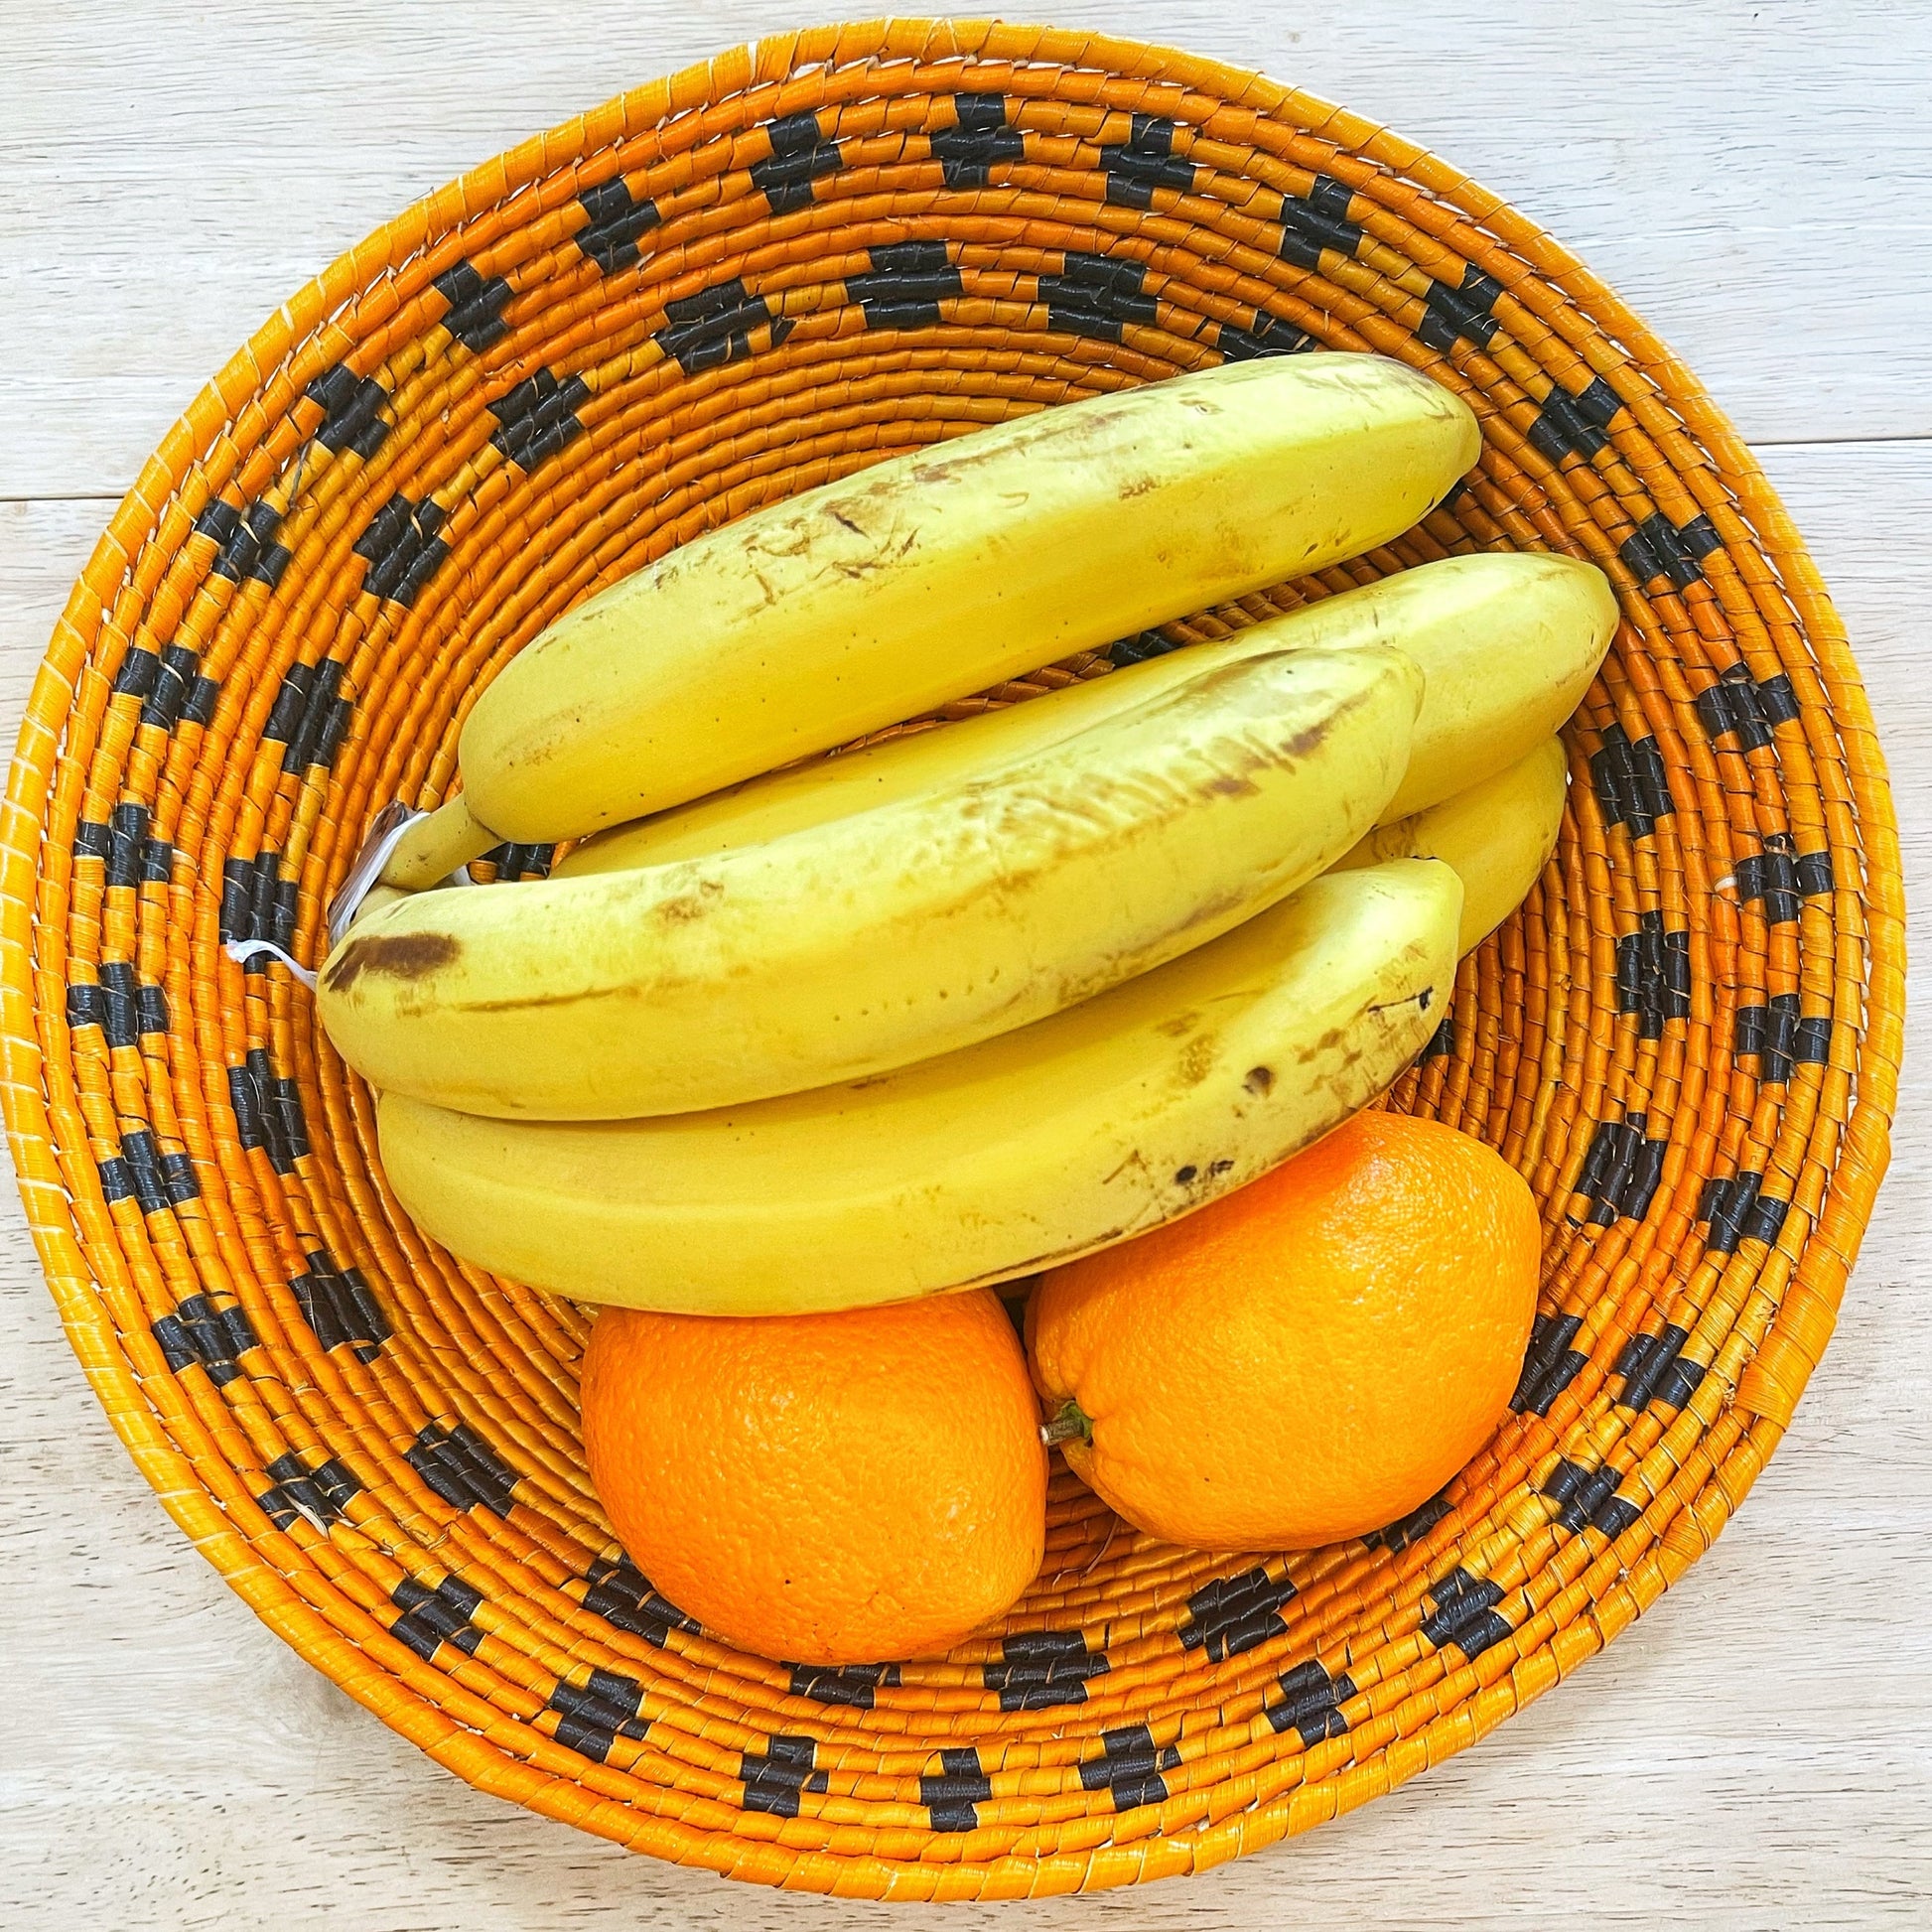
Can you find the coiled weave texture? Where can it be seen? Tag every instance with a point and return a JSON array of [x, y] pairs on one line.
[[715, 291]]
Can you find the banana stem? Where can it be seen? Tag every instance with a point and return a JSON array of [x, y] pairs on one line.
[[1070, 1421], [436, 846]]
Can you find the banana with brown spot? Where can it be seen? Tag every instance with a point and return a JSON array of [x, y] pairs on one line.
[[865, 942], [1110, 1118]]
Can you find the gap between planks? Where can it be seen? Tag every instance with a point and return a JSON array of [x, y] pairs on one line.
[[1762, 443]]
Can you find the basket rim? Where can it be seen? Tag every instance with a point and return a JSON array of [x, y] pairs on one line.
[[1768, 1393]]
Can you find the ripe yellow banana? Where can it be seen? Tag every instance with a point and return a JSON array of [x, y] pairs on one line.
[[1029, 1149], [1507, 645], [869, 941], [934, 575], [1498, 835], [1505, 666]]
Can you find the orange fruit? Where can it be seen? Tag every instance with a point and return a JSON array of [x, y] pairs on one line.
[[823, 1488], [1309, 1359]]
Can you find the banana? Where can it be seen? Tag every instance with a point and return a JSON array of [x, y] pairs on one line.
[[936, 573], [1498, 835], [1026, 1150], [1508, 642], [1508, 673], [865, 943]]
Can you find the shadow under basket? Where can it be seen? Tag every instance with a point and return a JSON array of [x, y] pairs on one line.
[[714, 292]]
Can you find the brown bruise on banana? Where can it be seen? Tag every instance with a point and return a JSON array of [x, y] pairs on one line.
[[407, 957], [885, 543], [1239, 756]]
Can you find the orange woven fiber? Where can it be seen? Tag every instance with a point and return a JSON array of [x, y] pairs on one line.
[[715, 291]]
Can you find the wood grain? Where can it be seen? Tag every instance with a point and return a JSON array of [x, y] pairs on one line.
[[1757, 1752]]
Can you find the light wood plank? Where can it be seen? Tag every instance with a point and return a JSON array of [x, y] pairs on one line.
[[1742, 174], [1756, 1752]]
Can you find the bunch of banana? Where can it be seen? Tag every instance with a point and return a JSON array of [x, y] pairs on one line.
[[979, 998]]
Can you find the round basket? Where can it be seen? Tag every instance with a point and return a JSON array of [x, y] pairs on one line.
[[715, 291]]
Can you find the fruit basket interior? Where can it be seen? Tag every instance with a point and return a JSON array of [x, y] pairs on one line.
[[711, 292]]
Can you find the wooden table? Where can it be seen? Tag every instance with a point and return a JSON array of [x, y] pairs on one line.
[[1757, 1753]]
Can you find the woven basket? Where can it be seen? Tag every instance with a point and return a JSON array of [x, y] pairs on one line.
[[715, 291]]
